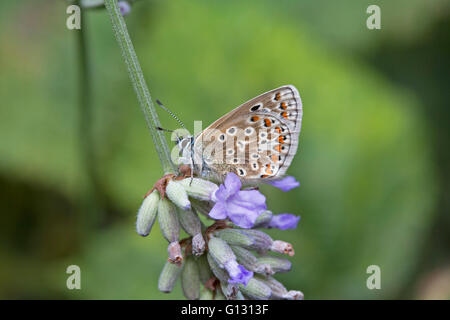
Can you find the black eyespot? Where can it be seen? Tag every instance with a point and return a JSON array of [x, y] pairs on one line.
[[222, 137], [255, 107]]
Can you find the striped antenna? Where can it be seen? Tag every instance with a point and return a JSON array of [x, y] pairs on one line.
[[170, 112]]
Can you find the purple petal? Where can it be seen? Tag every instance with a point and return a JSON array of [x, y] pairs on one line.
[[250, 199], [219, 211], [232, 183], [284, 221], [242, 216], [237, 273], [285, 184], [220, 194]]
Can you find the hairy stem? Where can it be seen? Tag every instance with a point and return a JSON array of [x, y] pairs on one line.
[[139, 84]]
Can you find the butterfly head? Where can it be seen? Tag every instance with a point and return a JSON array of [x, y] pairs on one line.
[[186, 147]]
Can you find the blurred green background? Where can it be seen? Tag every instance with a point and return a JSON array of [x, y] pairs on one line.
[[373, 160]]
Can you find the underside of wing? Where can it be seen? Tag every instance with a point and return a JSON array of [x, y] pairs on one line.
[[258, 139]]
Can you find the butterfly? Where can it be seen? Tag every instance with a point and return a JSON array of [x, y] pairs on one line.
[[257, 140]]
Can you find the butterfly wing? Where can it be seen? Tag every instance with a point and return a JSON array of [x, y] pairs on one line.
[[257, 140]]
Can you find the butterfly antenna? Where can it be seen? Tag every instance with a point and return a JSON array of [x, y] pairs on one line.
[[170, 112], [163, 129]]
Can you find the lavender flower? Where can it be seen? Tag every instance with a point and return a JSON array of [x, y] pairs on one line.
[[225, 258], [228, 259], [241, 207], [237, 272], [284, 221], [285, 184]]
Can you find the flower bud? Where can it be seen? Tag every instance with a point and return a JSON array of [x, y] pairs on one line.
[[220, 251], [249, 261], [282, 247], [198, 245], [235, 237], [147, 214], [176, 193], [229, 290], [263, 219], [175, 255], [203, 207], [218, 272], [278, 289], [199, 188], [204, 269], [262, 242], [256, 290], [294, 295], [190, 279], [239, 296], [168, 277], [168, 220], [206, 294], [189, 222], [219, 295], [275, 263]]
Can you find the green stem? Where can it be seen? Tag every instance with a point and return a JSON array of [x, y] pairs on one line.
[[93, 188], [139, 84]]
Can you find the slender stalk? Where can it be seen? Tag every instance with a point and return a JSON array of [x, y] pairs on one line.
[[93, 187], [139, 84]]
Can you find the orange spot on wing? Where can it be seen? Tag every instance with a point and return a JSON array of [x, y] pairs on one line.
[[278, 147], [274, 158], [277, 96], [278, 129], [269, 171], [284, 114], [281, 139], [267, 122], [254, 118], [264, 176], [283, 105]]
